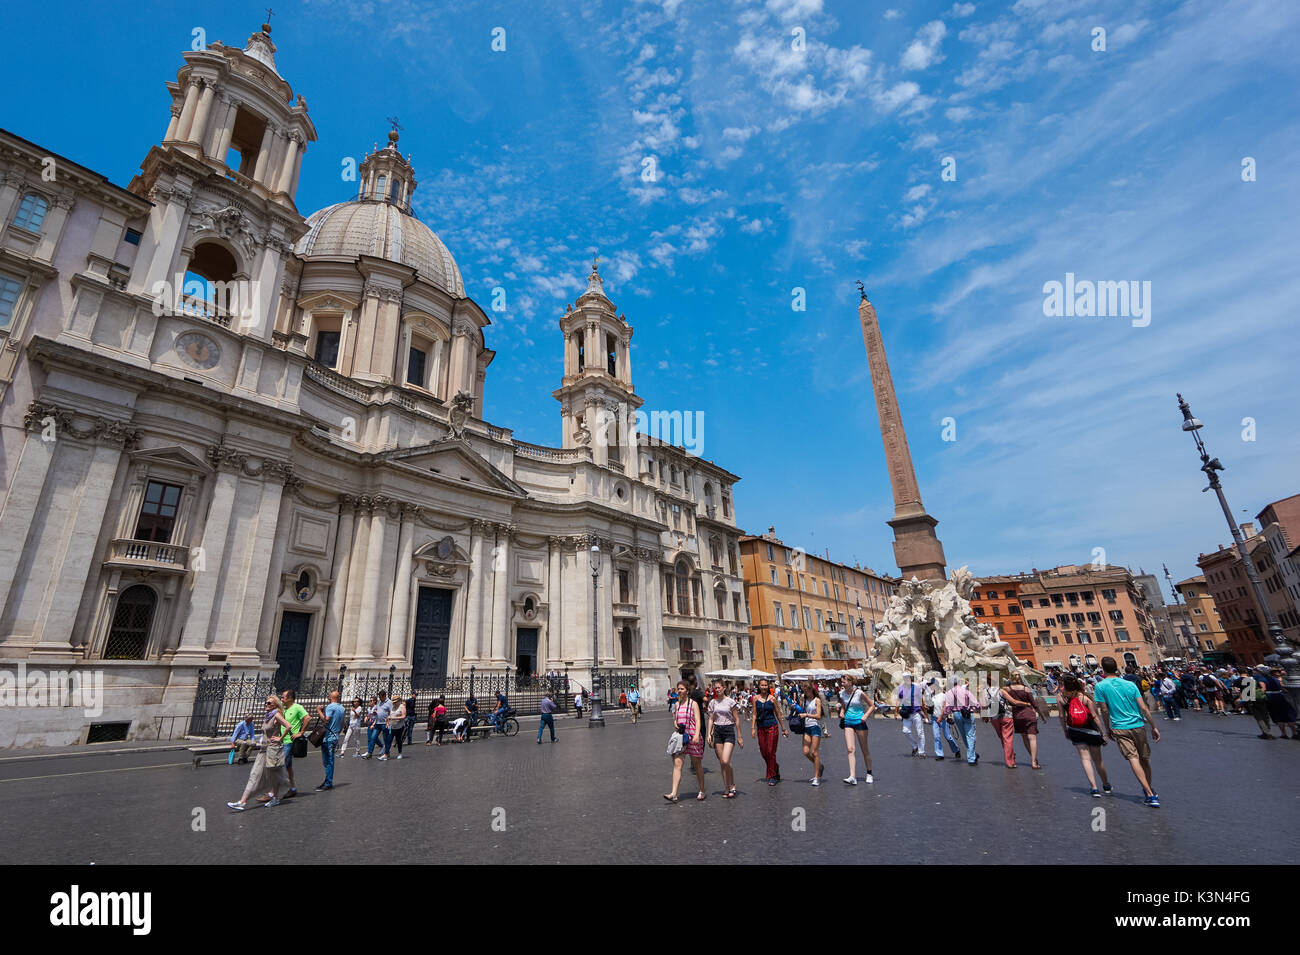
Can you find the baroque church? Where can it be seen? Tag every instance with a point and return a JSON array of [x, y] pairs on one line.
[[235, 436]]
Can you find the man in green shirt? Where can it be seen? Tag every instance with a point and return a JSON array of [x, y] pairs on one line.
[[1125, 717], [297, 717]]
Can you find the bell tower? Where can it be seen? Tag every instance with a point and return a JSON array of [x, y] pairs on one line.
[[597, 401], [222, 182]]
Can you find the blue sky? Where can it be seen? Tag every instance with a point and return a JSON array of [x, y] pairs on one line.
[[783, 168]]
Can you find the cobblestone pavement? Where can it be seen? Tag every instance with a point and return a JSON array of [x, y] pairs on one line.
[[595, 796]]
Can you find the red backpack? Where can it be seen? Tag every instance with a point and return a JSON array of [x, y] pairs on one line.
[[1078, 713]]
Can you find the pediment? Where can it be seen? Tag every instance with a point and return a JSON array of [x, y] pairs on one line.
[[444, 550], [173, 455], [455, 462]]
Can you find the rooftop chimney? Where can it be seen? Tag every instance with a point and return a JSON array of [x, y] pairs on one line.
[[1248, 529]]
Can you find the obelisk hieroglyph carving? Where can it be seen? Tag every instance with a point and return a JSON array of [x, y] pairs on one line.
[[916, 548]]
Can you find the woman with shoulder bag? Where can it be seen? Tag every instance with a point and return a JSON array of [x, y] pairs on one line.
[[1082, 727], [396, 726], [999, 715], [857, 709], [687, 718], [269, 766]]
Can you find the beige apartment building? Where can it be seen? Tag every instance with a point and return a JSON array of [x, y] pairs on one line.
[[1077, 614], [808, 611], [1200, 616]]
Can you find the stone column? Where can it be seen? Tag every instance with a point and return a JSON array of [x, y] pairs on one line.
[[225, 129], [399, 620], [62, 564], [553, 652], [372, 628], [198, 131], [285, 482], [216, 530], [595, 418], [354, 585], [499, 559], [478, 575], [287, 167], [171, 126], [332, 636], [21, 506], [187, 111], [264, 154]]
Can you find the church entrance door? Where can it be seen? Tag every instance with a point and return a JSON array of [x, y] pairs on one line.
[[432, 636], [292, 649]]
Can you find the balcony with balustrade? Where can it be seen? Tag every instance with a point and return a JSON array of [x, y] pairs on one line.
[[148, 555]]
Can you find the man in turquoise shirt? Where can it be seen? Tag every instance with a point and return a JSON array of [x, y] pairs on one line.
[[1124, 717]]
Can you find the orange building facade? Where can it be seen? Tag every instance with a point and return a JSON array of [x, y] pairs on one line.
[[1070, 615], [997, 601], [807, 611]]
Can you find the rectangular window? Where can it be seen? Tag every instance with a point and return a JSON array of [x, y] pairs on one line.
[[1121, 635], [158, 512], [10, 289], [794, 616], [1116, 616], [771, 555], [780, 614], [789, 579], [327, 348], [772, 573], [415, 362], [807, 618], [1009, 594], [819, 620], [132, 237]]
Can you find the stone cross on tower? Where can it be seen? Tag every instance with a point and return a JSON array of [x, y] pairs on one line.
[[916, 547]]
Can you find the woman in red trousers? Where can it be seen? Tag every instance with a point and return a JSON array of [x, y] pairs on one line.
[[998, 710], [764, 723]]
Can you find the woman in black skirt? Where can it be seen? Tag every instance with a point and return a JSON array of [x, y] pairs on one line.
[[1083, 728]]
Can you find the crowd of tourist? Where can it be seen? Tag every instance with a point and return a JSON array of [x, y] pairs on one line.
[[1094, 706]]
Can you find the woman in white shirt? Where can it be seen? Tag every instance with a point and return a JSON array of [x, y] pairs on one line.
[[724, 735], [813, 714]]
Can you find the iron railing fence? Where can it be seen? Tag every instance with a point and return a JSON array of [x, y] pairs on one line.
[[223, 699]]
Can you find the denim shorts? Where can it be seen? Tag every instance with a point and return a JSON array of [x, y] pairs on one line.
[[723, 734], [288, 755], [812, 730]]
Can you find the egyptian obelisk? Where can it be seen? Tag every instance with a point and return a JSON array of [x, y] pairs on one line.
[[916, 547]]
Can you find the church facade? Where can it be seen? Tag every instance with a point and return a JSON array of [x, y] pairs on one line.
[[234, 435]]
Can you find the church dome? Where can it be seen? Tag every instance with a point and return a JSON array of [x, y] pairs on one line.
[[378, 228], [379, 222]]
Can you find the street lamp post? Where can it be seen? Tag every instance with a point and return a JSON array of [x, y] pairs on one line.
[[597, 718], [1191, 643], [1211, 467]]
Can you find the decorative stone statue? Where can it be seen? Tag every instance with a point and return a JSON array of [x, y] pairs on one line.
[[462, 406], [921, 609]]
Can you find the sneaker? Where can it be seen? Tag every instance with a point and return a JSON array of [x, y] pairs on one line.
[[939, 759], [399, 756], [851, 780], [355, 755], [1108, 790], [1095, 793], [364, 755], [323, 787], [1153, 801], [816, 782], [382, 758], [1178, 719], [237, 806], [869, 779], [273, 802]]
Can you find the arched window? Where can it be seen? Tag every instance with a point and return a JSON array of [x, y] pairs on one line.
[[31, 212], [379, 187], [128, 637], [210, 282], [611, 355]]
